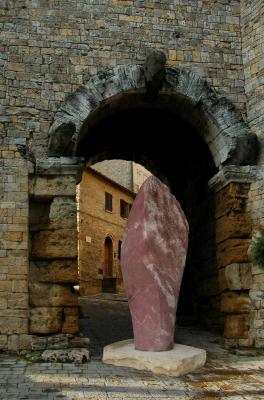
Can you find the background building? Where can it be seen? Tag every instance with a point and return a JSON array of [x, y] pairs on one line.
[[127, 173], [104, 206]]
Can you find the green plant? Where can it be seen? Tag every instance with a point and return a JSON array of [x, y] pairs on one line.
[[257, 249]]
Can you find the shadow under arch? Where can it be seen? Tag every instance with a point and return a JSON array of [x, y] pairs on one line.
[[185, 164]]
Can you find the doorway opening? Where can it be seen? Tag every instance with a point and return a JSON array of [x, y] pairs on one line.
[[174, 152], [108, 258]]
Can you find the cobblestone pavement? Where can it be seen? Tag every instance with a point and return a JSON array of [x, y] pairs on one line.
[[225, 375]]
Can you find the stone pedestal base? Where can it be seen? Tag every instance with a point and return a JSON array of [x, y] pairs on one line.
[[178, 361]]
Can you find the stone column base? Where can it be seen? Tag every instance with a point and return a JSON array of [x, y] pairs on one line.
[[178, 361]]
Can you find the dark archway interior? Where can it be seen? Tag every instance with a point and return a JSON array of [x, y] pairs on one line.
[[174, 152]]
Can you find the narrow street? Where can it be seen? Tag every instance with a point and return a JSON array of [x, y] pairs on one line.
[[105, 318]]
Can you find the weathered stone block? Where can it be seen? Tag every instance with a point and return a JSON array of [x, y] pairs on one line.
[[14, 313], [54, 295], [232, 251], [18, 301], [77, 341], [259, 333], [238, 276], [249, 342], [234, 303], [3, 341], [233, 225], [5, 286], [231, 199], [236, 326], [259, 343], [13, 236], [70, 320], [13, 342], [59, 341], [56, 271], [261, 314], [258, 282], [25, 342], [55, 244], [256, 270], [20, 286], [12, 325], [45, 320], [78, 356], [63, 213], [178, 361], [51, 186], [258, 323], [3, 300]]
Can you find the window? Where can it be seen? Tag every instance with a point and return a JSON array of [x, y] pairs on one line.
[[119, 249], [124, 208], [108, 202]]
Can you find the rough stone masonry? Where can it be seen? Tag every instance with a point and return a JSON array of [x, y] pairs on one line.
[[50, 47]]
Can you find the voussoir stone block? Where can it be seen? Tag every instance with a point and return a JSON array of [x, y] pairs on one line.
[[54, 295], [55, 244], [43, 320]]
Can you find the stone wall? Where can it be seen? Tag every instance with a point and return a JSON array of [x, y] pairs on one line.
[[252, 29], [53, 252], [13, 246], [95, 224], [46, 53]]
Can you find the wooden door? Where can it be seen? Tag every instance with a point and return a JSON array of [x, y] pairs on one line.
[[108, 257]]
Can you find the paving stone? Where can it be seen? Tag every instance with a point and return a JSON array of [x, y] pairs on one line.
[[232, 376]]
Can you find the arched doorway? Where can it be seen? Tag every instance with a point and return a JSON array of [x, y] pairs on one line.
[[205, 139], [108, 258], [186, 166]]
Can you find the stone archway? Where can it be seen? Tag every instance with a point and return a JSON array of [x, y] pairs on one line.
[[218, 122], [232, 146]]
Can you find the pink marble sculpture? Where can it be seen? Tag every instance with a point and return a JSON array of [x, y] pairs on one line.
[[152, 259]]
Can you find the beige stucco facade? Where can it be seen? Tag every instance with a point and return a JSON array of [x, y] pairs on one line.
[[96, 224]]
